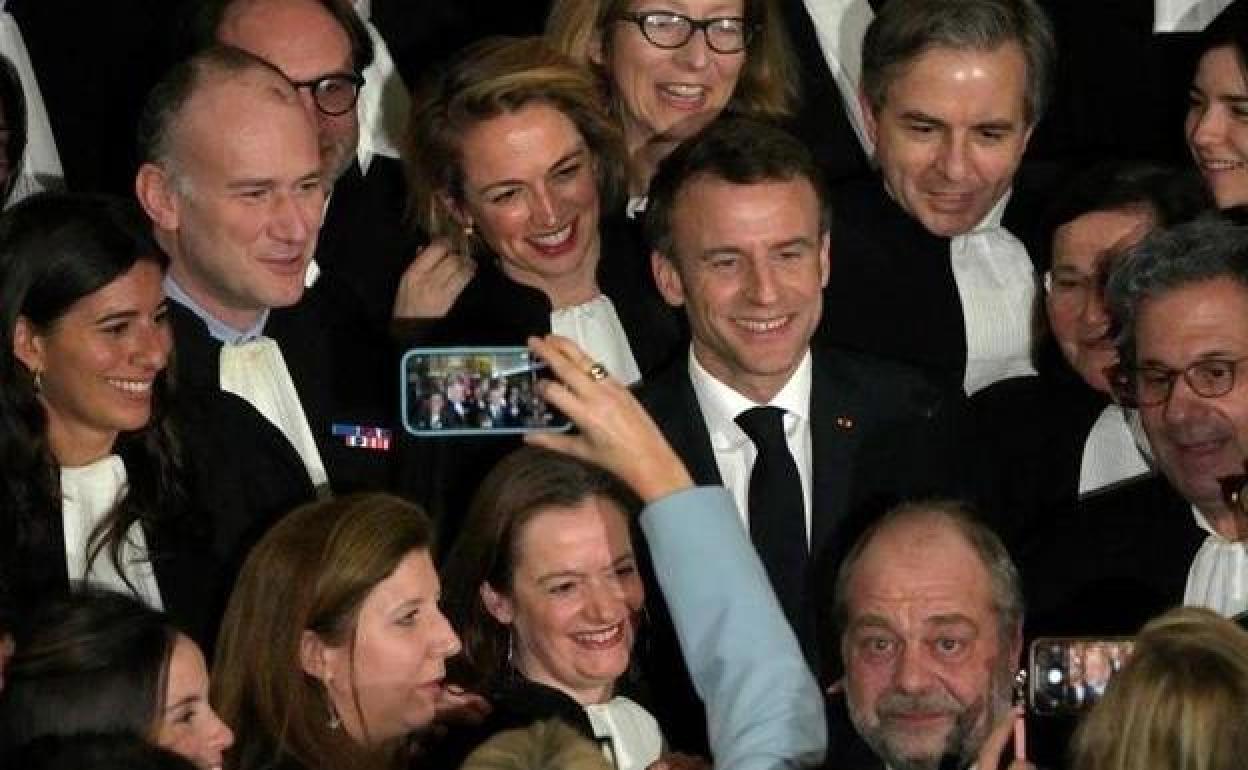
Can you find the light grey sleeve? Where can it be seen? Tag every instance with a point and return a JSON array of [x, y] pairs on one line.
[[764, 708]]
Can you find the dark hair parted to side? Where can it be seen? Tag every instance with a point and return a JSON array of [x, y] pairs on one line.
[[1170, 195], [1203, 250], [168, 98], [202, 25], [493, 77], [56, 249], [526, 482], [903, 30], [1007, 590], [766, 88], [734, 149], [310, 572], [1229, 28], [91, 662]]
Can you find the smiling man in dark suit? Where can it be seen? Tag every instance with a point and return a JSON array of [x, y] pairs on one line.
[[804, 439], [232, 183]]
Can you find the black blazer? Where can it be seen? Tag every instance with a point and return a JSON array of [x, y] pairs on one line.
[[822, 121], [1111, 562], [365, 242], [891, 291], [240, 476], [880, 432], [342, 370]]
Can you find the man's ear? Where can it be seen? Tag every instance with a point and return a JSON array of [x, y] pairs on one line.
[[825, 257], [498, 605], [315, 657], [154, 188], [667, 278], [28, 345], [868, 118]]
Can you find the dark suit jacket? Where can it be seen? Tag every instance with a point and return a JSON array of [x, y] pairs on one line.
[[891, 290], [1111, 562], [365, 242], [340, 368], [880, 432], [822, 121], [240, 475]]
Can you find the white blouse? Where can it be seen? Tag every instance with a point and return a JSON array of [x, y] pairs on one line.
[[88, 494], [1218, 577], [632, 734], [596, 328]]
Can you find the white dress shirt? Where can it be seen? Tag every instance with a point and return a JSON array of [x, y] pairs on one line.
[[1218, 577], [840, 26], [88, 494], [1116, 450], [998, 287], [384, 102], [734, 451], [595, 327]]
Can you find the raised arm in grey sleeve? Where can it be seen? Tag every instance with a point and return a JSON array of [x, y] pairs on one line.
[[764, 708]]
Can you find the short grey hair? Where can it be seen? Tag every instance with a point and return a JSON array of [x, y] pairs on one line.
[[903, 30], [1202, 250], [1007, 587]]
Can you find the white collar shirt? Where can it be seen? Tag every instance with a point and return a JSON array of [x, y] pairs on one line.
[[733, 449], [40, 166], [1218, 577], [1116, 450], [998, 288], [1185, 15]]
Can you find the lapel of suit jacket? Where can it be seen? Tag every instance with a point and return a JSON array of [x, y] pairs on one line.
[[836, 408], [671, 401]]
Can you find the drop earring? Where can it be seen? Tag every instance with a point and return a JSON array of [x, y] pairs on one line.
[[469, 230], [37, 378]]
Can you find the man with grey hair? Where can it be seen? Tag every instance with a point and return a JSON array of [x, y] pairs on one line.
[[231, 180], [1180, 301], [929, 609], [951, 91]]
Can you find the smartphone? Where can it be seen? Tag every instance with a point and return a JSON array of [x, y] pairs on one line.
[[475, 391], [1068, 675]]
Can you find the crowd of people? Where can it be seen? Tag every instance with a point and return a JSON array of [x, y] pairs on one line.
[[864, 399]]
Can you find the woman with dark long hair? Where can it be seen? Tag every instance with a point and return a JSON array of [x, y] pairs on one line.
[[102, 663], [106, 477]]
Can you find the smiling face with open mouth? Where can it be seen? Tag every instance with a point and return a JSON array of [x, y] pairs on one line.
[[575, 595], [99, 363], [1197, 440], [671, 92], [531, 191], [1217, 125], [749, 266]]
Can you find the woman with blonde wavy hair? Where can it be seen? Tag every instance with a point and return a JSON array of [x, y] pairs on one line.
[[1180, 703]]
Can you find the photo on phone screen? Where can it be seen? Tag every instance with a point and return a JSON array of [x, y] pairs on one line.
[[1068, 675], [475, 391]]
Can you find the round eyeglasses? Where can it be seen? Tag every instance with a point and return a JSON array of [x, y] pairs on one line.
[[334, 94], [1152, 385], [665, 29]]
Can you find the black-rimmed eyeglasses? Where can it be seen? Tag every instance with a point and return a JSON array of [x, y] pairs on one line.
[[334, 94], [1152, 385], [664, 29]]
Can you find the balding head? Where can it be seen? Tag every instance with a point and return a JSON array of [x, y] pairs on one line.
[[930, 613], [231, 181]]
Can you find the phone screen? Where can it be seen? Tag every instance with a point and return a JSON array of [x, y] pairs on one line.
[[1068, 675], [475, 391]]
